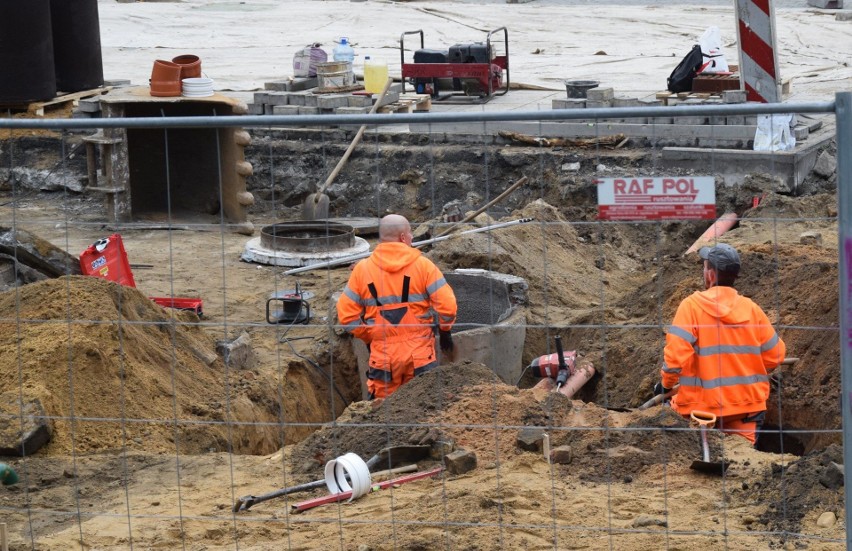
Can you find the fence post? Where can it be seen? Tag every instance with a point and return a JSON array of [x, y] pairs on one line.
[[843, 114]]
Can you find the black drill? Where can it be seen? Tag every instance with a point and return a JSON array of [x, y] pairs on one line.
[[564, 373]]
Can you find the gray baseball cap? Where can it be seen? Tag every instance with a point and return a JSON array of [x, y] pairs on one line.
[[722, 256]]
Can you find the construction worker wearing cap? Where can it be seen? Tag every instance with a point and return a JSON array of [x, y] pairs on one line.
[[390, 303], [720, 348]]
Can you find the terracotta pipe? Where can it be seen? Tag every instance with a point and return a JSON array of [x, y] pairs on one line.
[[575, 382], [723, 224]]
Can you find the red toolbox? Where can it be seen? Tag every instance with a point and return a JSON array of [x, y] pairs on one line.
[[107, 258], [192, 304]]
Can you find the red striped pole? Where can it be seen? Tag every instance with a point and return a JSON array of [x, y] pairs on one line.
[[759, 75]]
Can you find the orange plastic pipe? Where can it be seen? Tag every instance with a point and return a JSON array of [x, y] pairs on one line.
[[723, 224], [575, 382]]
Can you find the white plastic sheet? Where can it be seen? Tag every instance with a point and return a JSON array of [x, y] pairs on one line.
[[774, 133]]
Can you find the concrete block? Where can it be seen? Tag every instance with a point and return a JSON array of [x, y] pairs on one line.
[[308, 110], [311, 100], [17, 439], [751, 120], [736, 120], [825, 165], [238, 353], [569, 103], [826, 4], [843, 16], [832, 477], [531, 440], [326, 110], [801, 132], [278, 85], [261, 97], [117, 82], [628, 102], [303, 84], [360, 101], [352, 110], [460, 461], [277, 98], [255, 108], [286, 109], [733, 96], [660, 120], [810, 238], [600, 94], [89, 105], [81, 115], [590, 104], [561, 455], [297, 98], [389, 98], [332, 101]]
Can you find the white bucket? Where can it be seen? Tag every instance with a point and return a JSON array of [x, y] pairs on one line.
[[199, 87]]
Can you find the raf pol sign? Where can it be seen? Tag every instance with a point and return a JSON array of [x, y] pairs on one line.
[[664, 198]]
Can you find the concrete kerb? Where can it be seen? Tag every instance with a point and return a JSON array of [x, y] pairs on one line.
[[791, 167]]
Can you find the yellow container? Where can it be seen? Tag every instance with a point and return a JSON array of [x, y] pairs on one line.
[[375, 75]]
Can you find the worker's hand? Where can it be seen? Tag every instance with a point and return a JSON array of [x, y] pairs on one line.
[[446, 340], [660, 389]]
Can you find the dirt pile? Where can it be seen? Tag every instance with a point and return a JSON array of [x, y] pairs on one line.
[[814, 483], [467, 405], [129, 372]]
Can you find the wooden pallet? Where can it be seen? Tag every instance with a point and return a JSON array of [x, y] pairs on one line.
[[408, 103], [37, 108]]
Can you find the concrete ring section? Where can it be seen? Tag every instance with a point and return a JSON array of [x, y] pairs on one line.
[[256, 252], [490, 324]]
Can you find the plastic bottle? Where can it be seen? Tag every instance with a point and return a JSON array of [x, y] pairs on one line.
[[375, 75], [343, 51]]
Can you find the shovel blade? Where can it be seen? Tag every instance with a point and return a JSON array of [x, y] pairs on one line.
[[717, 468], [315, 207]]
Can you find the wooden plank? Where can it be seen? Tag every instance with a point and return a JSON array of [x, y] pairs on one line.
[[37, 108]]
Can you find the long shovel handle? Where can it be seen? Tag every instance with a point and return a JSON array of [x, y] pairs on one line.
[[352, 145], [705, 420]]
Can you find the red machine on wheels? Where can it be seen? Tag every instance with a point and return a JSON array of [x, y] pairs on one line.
[[475, 69]]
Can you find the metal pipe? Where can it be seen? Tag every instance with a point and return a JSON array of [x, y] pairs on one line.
[[843, 114], [269, 121], [354, 257]]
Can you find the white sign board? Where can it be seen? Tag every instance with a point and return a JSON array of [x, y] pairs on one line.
[[663, 198]]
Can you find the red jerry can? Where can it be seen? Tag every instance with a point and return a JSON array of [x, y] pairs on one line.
[[107, 258]]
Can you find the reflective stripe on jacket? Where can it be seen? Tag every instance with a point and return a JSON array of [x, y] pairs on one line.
[[720, 348], [390, 298]]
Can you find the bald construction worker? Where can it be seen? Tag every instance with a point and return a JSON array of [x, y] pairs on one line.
[[390, 302], [720, 348]]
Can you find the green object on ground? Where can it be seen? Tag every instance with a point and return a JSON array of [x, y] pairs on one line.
[[8, 476]]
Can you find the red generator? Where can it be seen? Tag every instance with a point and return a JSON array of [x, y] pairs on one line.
[[472, 70], [107, 258]]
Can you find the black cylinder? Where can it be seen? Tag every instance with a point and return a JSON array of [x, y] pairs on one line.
[[76, 45], [26, 52]]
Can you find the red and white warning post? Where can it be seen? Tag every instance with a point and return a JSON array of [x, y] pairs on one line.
[[664, 198]]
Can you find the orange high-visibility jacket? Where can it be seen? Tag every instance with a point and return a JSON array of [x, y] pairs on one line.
[[390, 297], [720, 348]]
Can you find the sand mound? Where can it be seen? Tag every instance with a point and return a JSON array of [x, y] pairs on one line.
[[129, 372], [466, 404]]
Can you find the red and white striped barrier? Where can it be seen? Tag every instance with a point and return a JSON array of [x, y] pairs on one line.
[[758, 55]]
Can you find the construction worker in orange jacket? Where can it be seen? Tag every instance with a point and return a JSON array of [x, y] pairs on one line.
[[390, 303], [720, 348]]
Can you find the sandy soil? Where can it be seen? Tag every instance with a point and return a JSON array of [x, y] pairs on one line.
[[627, 486]]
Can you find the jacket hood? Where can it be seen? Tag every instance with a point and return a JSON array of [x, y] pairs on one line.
[[721, 303], [393, 257]]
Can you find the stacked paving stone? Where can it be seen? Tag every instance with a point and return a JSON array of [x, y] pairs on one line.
[[599, 98], [299, 98]]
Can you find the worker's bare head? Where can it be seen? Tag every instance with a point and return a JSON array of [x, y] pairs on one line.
[[394, 228], [721, 265]]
